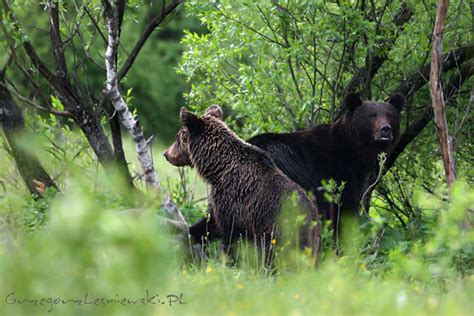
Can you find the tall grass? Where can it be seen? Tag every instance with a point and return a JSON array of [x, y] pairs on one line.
[[77, 252]]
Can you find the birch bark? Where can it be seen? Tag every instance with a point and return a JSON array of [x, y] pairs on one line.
[[127, 119]]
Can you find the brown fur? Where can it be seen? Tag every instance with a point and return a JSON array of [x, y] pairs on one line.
[[345, 151], [247, 189]]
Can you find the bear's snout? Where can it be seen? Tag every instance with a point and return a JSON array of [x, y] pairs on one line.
[[177, 155], [386, 132], [169, 156]]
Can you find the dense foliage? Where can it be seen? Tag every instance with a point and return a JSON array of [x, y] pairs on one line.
[[287, 66], [88, 245]]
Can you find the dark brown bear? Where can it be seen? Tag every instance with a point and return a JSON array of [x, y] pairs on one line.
[[345, 151], [247, 190]]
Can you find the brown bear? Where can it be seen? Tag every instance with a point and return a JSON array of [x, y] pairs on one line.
[[247, 189], [345, 150]]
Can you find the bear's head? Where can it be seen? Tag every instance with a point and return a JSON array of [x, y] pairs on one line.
[[373, 124], [178, 153]]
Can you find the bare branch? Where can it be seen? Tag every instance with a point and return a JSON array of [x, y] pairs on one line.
[[144, 37], [58, 48], [437, 97], [37, 62], [37, 106], [84, 117], [466, 71], [121, 11], [374, 63], [450, 60], [95, 24], [266, 37]]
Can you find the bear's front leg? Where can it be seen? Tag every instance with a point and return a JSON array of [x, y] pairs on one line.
[[205, 230]]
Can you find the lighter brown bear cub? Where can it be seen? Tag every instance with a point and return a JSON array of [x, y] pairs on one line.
[[247, 189]]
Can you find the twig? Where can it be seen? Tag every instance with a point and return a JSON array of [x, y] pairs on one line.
[[144, 37], [37, 106], [95, 24], [55, 34], [382, 159]]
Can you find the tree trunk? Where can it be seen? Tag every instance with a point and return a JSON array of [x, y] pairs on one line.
[[112, 22], [126, 117], [437, 94], [119, 153], [35, 176]]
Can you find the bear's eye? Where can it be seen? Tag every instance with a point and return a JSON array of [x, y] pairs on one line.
[[373, 115]]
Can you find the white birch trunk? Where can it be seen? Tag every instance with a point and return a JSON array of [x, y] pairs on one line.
[[126, 117]]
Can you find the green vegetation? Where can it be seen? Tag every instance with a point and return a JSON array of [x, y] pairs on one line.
[[274, 66], [87, 245]]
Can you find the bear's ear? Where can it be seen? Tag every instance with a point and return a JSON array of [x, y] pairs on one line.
[[353, 101], [216, 111], [397, 100], [188, 119]]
